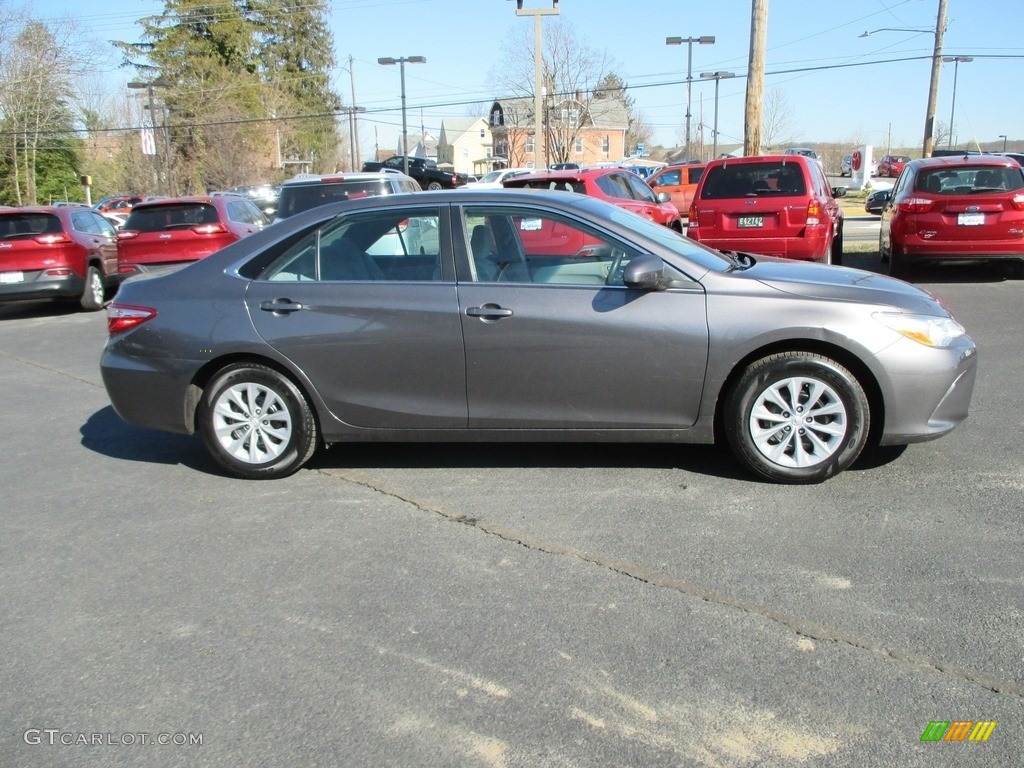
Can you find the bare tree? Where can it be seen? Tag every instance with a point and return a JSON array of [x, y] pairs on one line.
[[776, 123], [571, 72]]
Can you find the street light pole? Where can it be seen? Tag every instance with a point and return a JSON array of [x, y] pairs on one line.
[[702, 40], [401, 61], [956, 70], [1003, 137], [539, 145], [933, 83], [717, 76]]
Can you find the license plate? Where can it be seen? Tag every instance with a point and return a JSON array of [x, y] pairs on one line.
[[970, 219], [12, 277], [750, 221]]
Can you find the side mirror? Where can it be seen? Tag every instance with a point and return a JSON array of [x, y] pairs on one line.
[[664, 197], [646, 272]]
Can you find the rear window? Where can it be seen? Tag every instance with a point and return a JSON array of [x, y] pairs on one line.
[[969, 181], [562, 185], [24, 225], [769, 179], [297, 198], [159, 218]]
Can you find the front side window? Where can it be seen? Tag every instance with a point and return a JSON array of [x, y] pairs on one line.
[[513, 245], [395, 245], [669, 179]]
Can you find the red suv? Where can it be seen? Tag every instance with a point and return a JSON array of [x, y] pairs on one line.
[[776, 205], [892, 165], [965, 208], [620, 187], [66, 252], [169, 231]]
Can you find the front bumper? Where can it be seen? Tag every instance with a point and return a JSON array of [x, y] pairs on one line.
[[928, 390]]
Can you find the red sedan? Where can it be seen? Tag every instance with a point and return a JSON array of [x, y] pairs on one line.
[[892, 165]]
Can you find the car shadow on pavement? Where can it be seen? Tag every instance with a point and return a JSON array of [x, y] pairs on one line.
[[29, 309], [107, 434], [699, 459]]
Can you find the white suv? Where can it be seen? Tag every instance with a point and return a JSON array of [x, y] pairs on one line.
[[309, 190]]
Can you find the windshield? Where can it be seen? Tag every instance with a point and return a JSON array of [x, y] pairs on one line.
[[707, 258]]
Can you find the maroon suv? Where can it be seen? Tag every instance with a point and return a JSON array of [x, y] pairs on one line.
[[969, 207], [66, 252], [169, 231]]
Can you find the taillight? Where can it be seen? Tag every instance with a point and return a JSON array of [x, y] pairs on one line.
[[1017, 201], [123, 317], [53, 239], [209, 229], [127, 234], [814, 213], [915, 205], [692, 216], [57, 272]]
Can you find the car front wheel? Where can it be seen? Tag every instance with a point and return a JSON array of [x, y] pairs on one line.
[[797, 417], [256, 423]]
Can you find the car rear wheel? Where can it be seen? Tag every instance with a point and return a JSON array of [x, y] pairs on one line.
[[256, 423], [797, 417], [434, 186], [93, 294], [837, 249]]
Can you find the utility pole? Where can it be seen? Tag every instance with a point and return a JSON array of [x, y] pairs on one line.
[[933, 86], [354, 126], [755, 78], [539, 153]]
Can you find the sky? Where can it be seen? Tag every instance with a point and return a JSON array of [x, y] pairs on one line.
[[835, 85]]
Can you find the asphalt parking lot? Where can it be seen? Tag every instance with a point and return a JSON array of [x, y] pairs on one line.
[[523, 605]]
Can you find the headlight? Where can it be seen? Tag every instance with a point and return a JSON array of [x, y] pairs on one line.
[[929, 330]]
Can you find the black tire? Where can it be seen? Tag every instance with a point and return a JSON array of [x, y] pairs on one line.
[[93, 294], [897, 264], [434, 186], [233, 422], [837, 249], [787, 450]]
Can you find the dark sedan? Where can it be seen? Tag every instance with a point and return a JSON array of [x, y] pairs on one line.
[[528, 315]]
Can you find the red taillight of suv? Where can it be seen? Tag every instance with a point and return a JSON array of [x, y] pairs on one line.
[[124, 317], [1017, 202], [692, 216], [209, 229], [915, 205], [814, 213], [53, 239]]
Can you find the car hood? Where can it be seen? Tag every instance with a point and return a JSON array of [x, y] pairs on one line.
[[823, 281]]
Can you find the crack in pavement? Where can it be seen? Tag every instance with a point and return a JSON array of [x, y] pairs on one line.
[[49, 368], [641, 573]]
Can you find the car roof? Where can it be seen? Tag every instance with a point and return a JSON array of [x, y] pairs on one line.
[[951, 161], [341, 176], [795, 159]]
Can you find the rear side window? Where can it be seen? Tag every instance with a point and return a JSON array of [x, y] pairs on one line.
[[159, 218], [297, 198], [769, 179], [969, 181], [694, 174]]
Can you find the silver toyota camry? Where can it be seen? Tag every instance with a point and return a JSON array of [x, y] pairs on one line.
[[528, 316]]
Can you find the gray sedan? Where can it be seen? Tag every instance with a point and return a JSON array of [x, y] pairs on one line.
[[528, 316]]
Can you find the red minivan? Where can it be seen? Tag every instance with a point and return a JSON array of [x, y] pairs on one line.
[[165, 232], [774, 205]]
